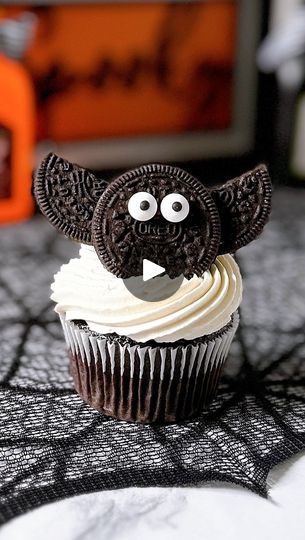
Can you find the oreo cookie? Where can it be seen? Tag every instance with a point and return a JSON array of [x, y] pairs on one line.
[[67, 195], [155, 212], [244, 205], [160, 213]]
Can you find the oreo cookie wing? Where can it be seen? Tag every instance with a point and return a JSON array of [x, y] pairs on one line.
[[244, 205], [67, 195]]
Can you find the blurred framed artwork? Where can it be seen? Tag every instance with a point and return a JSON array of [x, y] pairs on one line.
[[119, 83]]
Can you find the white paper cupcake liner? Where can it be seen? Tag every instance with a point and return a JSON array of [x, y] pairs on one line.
[[147, 382]]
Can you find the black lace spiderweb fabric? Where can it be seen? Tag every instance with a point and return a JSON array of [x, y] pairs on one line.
[[52, 445]]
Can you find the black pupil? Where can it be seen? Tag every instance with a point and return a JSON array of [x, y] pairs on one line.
[[144, 205], [177, 206]]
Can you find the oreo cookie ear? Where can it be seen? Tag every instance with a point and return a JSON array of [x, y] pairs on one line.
[[244, 205], [67, 195]]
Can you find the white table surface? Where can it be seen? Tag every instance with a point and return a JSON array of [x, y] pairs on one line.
[[208, 512]]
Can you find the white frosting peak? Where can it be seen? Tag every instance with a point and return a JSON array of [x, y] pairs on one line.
[[84, 289]]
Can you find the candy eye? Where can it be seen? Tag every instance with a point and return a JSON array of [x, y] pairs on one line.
[[142, 206], [175, 207]]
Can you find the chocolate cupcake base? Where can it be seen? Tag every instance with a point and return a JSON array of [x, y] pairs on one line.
[[146, 382]]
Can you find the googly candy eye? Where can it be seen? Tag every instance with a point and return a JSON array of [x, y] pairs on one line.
[[142, 206], [174, 207]]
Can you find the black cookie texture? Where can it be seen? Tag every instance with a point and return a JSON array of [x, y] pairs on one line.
[[67, 195], [122, 242], [244, 206]]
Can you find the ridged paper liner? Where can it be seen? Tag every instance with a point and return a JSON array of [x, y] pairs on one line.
[[147, 383]]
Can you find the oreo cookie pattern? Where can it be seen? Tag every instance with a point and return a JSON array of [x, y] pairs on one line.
[[123, 237], [245, 203], [156, 212], [67, 195]]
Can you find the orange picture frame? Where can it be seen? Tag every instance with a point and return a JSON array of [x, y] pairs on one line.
[[145, 81], [134, 69]]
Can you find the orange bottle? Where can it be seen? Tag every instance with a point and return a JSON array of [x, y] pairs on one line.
[[17, 119]]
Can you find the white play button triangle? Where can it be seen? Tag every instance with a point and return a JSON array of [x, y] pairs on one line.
[[148, 289], [151, 270]]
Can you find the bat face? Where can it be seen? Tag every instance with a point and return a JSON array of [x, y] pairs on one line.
[[156, 212], [159, 213]]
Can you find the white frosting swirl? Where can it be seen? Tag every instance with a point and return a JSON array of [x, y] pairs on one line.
[[84, 289]]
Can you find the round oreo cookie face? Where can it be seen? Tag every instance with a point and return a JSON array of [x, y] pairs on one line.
[[159, 213]]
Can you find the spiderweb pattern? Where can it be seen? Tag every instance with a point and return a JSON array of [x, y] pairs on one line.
[[52, 445]]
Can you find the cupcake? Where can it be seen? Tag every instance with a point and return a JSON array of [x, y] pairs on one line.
[[133, 358]]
